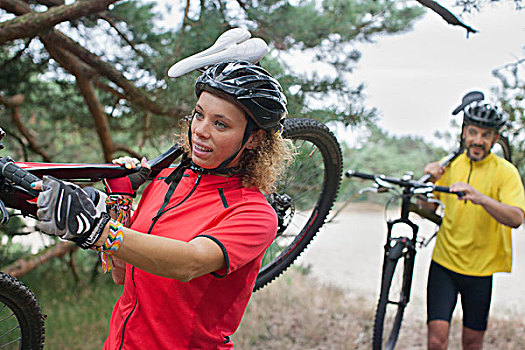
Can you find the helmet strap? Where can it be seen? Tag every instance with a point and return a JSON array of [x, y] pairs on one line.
[[222, 168], [250, 127]]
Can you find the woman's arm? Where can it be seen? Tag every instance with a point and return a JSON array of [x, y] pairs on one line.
[[167, 257]]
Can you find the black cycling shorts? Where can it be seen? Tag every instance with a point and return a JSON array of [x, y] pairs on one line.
[[443, 288]]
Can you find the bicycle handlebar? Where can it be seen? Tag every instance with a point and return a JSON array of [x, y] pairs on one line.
[[19, 176], [403, 183]]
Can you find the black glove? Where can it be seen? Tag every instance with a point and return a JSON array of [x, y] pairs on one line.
[[127, 185], [65, 210]]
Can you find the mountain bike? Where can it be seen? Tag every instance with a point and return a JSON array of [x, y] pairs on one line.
[[400, 251], [304, 197], [302, 202]]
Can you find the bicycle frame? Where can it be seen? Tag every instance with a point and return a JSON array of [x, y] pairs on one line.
[[15, 196]]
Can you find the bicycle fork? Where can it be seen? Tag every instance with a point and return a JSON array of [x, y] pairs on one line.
[[401, 248]]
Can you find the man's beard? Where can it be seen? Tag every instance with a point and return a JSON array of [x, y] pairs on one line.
[[475, 158]]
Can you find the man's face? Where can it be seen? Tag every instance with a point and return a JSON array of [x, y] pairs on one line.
[[479, 141]]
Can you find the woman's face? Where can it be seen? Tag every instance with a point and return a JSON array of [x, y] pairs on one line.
[[217, 130]]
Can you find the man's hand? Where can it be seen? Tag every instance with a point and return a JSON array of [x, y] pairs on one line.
[[65, 210], [471, 193], [503, 213], [435, 169]]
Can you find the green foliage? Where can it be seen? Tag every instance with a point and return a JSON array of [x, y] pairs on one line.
[[511, 96], [381, 153], [140, 40], [10, 251], [77, 312], [327, 31]]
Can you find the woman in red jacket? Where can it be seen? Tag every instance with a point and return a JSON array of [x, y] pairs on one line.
[[191, 254]]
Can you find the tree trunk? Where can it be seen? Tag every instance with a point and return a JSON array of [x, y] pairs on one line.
[[99, 116], [31, 24], [56, 39], [23, 266]]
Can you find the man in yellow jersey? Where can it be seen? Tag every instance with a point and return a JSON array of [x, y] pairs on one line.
[[474, 240]]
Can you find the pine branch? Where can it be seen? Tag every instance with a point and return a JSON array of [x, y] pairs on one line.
[[54, 38], [23, 266], [31, 24]]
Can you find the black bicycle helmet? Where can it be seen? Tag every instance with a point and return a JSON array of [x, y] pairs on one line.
[[484, 115], [250, 87]]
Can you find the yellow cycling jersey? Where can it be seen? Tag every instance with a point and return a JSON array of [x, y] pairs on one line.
[[470, 241]]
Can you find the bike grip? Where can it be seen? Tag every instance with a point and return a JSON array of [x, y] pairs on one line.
[[447, 190], [350, 173], [19, 176], [442, 189]]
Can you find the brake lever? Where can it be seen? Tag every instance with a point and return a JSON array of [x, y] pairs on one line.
[[368, 189], [376, 189], [382, 184], [423, 190]]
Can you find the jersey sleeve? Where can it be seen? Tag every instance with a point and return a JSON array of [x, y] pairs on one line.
[[511, 191], [243, 234]]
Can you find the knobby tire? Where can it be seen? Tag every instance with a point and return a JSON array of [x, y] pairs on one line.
[[392, 302], [21, 319], [503, 143], [304, 196]]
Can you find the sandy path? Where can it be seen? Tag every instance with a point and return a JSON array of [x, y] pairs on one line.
[[348, 253]]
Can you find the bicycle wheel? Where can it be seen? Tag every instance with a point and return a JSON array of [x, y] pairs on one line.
[[21, 320], [395, 291], [502, 148], [304, 196]]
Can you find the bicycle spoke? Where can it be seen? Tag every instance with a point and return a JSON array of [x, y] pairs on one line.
[[11, 342], [10, 329], [21, 320], [9, 316]]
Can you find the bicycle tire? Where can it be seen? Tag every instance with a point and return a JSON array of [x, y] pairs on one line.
[[21, 320], [503, 143], [393, 298], [304, 196]]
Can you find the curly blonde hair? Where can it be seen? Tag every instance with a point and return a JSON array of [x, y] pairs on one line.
[[263, 165]]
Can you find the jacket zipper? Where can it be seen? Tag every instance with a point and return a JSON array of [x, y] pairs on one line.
[[469, 174], [470, 171], [161, 212]]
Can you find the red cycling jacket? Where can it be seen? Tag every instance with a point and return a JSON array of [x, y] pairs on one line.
[[162, 313]]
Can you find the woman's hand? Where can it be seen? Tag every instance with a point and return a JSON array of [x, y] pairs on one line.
[[128, 185], [65, 210], [130, 162]]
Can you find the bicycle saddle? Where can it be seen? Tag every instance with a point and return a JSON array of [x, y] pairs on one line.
[[470, 97], [234, 44]]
